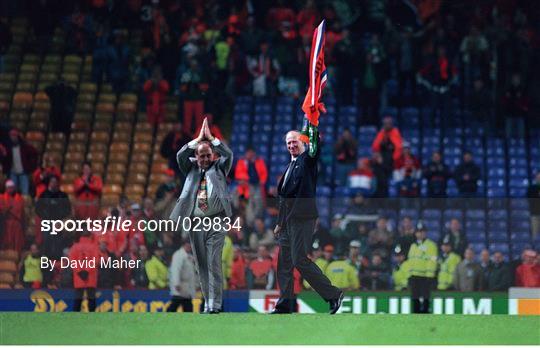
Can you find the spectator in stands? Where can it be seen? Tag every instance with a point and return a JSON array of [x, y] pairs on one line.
[[3, 177], [516, 107], [401, 274], [382, 173], [467, 175], [182, 279], [376, 276], [84, 275], [148, 214], [405, 235], [156, 90], [156, 270], [474, 49], [166, 195], [139, 276], [337, 231], [356, 257], [407, 65], [30, 269], [237, 279], [62, 99], [260, 274], [498, 277], [108, 277], [343, 275], [485, 264], [118, 58], [5, 42], [380, 239], [12, 218], [264, 70], [468, 274], [388, 142], [20, 162], [88, 189], [456, 237], [407, 173], [193, 85], [173, 141], [438, 76], [252, 35], [251, 174], [448, 261], [528, 273], [437, 175], [53, 204], [328, 253], [345, 55], [100, 52], [371, 80], [481, 105], [42, 175], [361, 179], [533, 193], [346, 154], [260, 235]]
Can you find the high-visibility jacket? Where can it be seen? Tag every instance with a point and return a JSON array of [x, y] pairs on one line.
[[447, 266], [423, 259], [227, 257], [32, 269], [342, 275], [401, 275], [322, 264], [157, 273]]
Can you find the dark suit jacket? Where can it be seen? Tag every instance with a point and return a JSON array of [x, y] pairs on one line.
[[297, 195]]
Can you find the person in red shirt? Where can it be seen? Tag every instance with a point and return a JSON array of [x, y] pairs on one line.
[[156, 90], [88, 189], [362, 179], [42, 175], [528, 273], [388, 142], [85, 274], [261, 273], [238, 271], [407, 173], [251, 174], [12, 210]]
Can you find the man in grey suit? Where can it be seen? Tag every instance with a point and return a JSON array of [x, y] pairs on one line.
[[205, 195]]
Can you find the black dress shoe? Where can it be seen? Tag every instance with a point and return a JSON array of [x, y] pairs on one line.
[[336, 303], [279, 311]]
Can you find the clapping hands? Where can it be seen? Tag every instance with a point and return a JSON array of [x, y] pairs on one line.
[[205, 132]]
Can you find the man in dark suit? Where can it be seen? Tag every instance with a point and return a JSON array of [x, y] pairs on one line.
[[295, 228]]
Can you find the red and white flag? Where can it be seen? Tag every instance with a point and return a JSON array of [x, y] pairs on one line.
[[312, 105]]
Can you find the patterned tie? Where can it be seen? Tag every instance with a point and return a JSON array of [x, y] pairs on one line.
[[202, 194]]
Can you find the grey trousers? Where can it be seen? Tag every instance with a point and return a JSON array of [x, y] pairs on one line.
[[207, 248]]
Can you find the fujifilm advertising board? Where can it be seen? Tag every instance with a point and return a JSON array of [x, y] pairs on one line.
[[468, 303]]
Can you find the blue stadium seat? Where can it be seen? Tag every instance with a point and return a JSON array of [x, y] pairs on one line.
[[475, 225], [475, 214], [412, 213], [476, 236], [520, 237], [519, 204], [478, 247], [502, 247], [497, 214]]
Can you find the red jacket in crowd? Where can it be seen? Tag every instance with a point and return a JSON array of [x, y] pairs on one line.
[[260, 268], [87, 194], [29, 157], [41, 178], [407, 165], [528, 275], [84, 275], [12, 207], [156, 95], [241, 173], [393, 136], [238, 273]]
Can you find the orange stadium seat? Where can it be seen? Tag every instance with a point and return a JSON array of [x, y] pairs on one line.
[[118, 158], [88, 87], [140, 157], [74, 157], [142, 147], [112, 189], [98, 147], [115, 178], [100, 136], [5, 286], [8, 266], [81, 137], [22, 100], [7, 278], [96, 156], [69, 178], [115, 167], [10, 255], [110, 200], [120, 147], [136, 178]]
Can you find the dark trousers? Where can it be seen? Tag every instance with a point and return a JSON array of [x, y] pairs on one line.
[[178, 301], [90, 296], [295, 243], [420, 293]]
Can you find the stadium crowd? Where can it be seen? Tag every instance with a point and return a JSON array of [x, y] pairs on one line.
[[205, 53]]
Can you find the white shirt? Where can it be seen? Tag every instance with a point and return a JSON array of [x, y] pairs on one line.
[[17, 167]]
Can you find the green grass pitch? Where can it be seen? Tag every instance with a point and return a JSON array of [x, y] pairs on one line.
[[253, 328]]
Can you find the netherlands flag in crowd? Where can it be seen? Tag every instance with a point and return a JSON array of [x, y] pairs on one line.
[[317, 77]]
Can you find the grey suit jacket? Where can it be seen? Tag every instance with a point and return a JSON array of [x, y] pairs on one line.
[[216, 174]]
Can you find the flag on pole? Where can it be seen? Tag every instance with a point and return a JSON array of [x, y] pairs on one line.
[[312, 105]]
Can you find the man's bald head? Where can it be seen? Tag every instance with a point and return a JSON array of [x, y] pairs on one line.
[[204, 155], [295, 146]]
